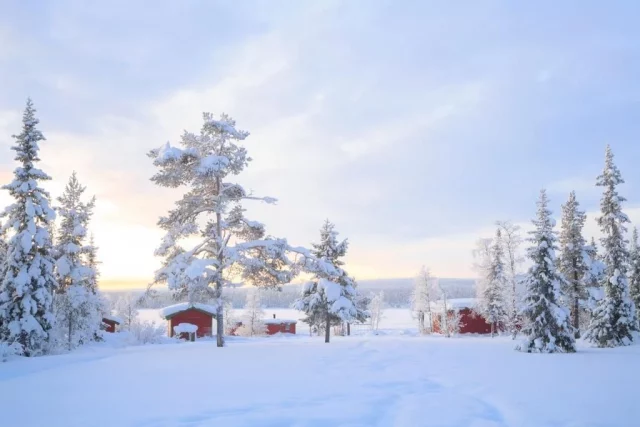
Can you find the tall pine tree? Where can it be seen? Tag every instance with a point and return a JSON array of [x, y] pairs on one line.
[[614, 318], [547, 328], [492, 303], [572, 263], [634, 273], [78, 305], [208, 240], [28, 282], [331, 298]]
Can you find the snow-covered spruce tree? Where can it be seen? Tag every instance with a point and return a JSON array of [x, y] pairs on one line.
[[572, 262], [614, 318], [253, 316], [28, 282], [77, 303], [421, 300], [492, 305], [634, 270], [228, 244], [546, 328], [330, 298], [512, 241]]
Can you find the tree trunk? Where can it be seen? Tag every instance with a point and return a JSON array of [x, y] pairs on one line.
[[493, 329], [327, 329], [575, 315], [219, 315], [348, 329]]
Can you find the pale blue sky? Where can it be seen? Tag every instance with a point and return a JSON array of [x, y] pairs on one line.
[[412, 125]]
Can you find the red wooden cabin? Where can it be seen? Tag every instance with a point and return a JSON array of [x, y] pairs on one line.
[[283, 326], [109, 323], [201, 315], [471, 322]]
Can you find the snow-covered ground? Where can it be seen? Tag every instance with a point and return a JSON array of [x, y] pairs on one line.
[[394, 379]]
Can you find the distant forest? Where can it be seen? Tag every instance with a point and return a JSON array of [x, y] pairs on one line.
[[396, 293]]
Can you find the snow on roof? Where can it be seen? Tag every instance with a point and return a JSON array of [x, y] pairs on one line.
[[185, 327], [113, 318], [172, 310], [278, 321], [455, 303]]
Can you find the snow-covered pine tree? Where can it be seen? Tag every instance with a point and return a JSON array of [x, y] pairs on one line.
[[512, 241], [572, 262], [78, 305], [28, 282], [330, 298], [614, 318], [253, 316], [421, 300], [228, 244], [492, 305], [547, 328], [634, 270]]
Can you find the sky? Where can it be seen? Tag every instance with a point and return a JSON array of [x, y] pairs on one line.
[[412, 125]]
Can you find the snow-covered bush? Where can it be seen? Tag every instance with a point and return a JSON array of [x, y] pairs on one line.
[[146, 332], [8, 350]]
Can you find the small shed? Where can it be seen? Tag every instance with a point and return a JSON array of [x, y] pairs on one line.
[[463, 310], [110, 323], [200, 315], [284, 326]]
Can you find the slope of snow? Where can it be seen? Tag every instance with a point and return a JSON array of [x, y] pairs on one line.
[[300, 381]]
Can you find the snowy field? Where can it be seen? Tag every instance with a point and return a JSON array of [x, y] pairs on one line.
[[388, 380], [392, 379]]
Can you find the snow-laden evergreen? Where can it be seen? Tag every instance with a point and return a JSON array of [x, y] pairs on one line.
[[28, 281], [208, 239], [572, 261], [78, 304], [614, 318], [546, 322], [634, 270], [421, 300], [331, 297], [492, 304]]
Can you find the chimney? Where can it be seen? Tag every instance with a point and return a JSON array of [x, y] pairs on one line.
[[274, 315]]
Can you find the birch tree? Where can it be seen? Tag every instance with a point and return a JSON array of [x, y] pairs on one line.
[[512, 241], [421, 299]]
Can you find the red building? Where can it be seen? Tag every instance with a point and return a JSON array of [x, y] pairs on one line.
[[201, 315], [283, 326], [109, 323], [462, 312]]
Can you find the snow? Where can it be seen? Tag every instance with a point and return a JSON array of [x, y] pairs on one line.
[[185, 327], [455, 303], [384, 380], [177, 308], [278, 321], [113, 318]]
